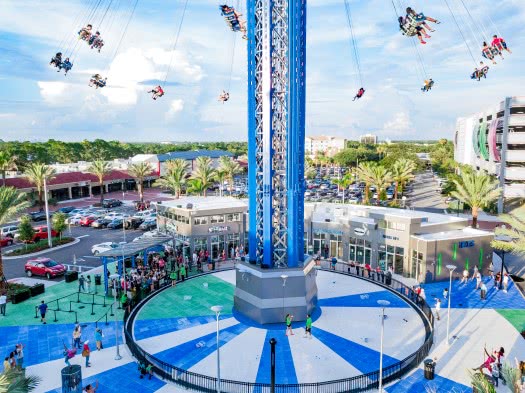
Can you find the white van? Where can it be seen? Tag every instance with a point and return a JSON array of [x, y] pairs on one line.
[[8, 231], [143, 214]]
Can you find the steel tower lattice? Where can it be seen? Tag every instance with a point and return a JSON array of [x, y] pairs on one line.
[[276, 123]]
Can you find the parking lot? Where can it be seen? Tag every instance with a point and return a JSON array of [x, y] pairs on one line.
[[79, 254]]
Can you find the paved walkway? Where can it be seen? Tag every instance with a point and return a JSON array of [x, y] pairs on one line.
[[178, 326]]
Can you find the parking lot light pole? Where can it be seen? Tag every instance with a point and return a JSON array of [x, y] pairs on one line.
[[383, 304], [451, 269], [116, 278], [217, 310]]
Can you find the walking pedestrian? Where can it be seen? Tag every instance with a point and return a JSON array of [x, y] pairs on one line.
[[445, 293], [182, 272], [12, 360], [77, 334], [483, 293], [308, 328], [20, 356], [3, 302], [505, 282], [289, 324], [88, 283], [438, 308], [98, 339], [475, 273], [491, 270], [86, 352], [81, 281], [69, 354], [478, 280], [495, 375], [7, 366], [42, 308], [149, 370], [464, 279]]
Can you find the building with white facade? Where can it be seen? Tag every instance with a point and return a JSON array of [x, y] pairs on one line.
[[330, 145], [494, 140], [369, 139]]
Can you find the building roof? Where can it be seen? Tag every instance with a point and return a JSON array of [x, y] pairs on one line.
[[70, 177], [323, 138], [193, 154], [454, 234], [203, 203]]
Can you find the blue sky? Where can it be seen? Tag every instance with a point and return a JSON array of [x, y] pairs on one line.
[[36, 103]]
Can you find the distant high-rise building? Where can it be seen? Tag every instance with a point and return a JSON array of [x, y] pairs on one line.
[[330, 145], [368, 139]]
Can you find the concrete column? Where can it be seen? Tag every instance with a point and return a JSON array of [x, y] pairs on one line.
[[503, 162], [106, 188], [70, 191]]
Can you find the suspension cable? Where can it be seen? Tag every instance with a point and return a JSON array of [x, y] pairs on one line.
[[176, 41], [461, 32], [354, 42]]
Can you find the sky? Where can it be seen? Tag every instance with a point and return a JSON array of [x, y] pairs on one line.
[[37, 103]]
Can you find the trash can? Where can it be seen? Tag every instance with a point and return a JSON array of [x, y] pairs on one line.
[[72, 379], [98, 279], [430, 366]]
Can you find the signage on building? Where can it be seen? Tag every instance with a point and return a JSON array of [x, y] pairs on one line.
[[328, 231], [360, 231], [390, 237], [466, 244], [218, 229]]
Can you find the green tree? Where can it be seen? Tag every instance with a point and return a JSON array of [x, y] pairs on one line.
[[478, 190], [25, 230], [175, 177], [402, 172], [515, 232], [365, 173], [344, 183], [12, 203], [59, 223], [100, 169], [204, 172], [37, 173], [16, 381], [512, 376], [230, 168], [195, 186], [309, 171], [7, 163], [139, 172], [381, 179]]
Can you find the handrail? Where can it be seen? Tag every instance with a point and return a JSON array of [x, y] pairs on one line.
[[359, 383]]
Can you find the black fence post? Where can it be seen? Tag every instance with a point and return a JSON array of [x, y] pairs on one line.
[[92, 311], [273, 341], [36, 311], [56, 320]]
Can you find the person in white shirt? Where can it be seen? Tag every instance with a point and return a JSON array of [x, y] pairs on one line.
[[438, 308], [3, 301], [465, 277]]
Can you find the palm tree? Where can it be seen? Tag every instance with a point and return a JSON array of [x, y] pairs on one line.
[[7, 163], [309, 170], [516, 233], [195, 186], [344, 183], [15, 381], [402, 172], [381, 179], [36, 174], [204, 172], [139, 172], [476, 189], [381, 150], [12, 202], [175, 177], [220, 176], [230, 167], [100, 169], [365, 173]]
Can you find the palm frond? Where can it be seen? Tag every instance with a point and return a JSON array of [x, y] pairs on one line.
[[12, 202]]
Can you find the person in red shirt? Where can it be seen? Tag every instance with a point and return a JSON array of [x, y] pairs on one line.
[[157, 92], [499, 43]]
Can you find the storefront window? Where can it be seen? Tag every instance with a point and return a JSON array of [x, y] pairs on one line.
[[360, 250], [233, 217], [217, 219], [200, 221], [217, 246], [234, 240], [200, 243], [319, 242], [336, 246], [417, 260]]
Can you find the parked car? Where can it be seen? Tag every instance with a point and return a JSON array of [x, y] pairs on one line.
[[87, 221], [149, 224], [113, 215], [6, 241], [109, 203], [65, 209], [41, 233], [8, 231], [44, 267], [100, 223], [98, 248], [38, 216], [74, 220], [133, 222], [143, 214], [75, 212], [116, 223]]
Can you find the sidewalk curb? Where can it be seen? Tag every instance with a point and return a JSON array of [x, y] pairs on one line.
[[7, 258]]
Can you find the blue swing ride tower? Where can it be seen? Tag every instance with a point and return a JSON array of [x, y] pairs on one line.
[[278, 278]]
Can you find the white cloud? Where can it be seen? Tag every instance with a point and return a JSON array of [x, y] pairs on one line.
[[52, 92], [176, 106], [400, 124]]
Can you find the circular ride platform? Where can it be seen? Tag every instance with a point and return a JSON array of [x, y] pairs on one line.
[[178, 327]]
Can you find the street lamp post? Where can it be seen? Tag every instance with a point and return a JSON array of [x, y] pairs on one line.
[[451, 269], [116, 277], [383, 304], [217, 310], [284, 277], [49, 239], [273, 341], [502, 268]]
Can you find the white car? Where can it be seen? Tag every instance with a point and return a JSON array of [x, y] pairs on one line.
[[8, 231], [143, 214], [101, 247], [115, 215], [74, 220]]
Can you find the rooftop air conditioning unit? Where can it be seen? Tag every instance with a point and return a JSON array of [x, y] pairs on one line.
[[189, 206], [326, 220]]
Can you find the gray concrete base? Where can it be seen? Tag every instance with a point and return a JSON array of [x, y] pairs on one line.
[[264, 296]]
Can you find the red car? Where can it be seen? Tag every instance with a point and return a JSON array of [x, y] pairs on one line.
[[44, 267], [41, 233], [6, 241], [87, 221]]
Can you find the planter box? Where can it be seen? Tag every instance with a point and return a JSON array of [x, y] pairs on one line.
[[20, 296], [37, 289], [71, 276]]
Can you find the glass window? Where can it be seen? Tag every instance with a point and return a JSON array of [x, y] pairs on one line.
[[352, 240], [200, 220], [217, 219], [400, 251], [390, 249], [381, 224], [368, 244], [233, 217]]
